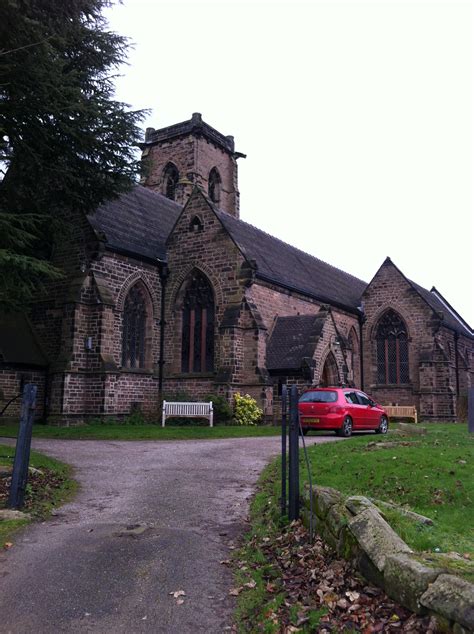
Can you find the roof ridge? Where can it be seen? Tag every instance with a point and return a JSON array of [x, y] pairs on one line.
[[291, 246]]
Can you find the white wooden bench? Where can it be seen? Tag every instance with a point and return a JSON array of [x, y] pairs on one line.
[[188, 410], [401, 411]]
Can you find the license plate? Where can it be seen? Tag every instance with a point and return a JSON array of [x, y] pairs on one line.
[[311, 420]]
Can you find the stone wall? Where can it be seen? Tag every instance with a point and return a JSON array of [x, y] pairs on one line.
[[431, 346], [11, 382], [238, 332], [356, 530], [194, 156]]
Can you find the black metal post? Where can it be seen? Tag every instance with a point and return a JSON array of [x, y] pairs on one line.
[[284, 402], [163, 273], [23, 445], [470, 410], [294, 463]]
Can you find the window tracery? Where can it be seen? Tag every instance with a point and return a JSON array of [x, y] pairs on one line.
[[392, 349], [134, 329], [197, 349]]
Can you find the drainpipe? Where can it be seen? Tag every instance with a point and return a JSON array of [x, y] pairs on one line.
[[456, 363], [163, 273], [361, 319]]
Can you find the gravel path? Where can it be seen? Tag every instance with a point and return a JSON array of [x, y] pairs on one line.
[[151, 518]]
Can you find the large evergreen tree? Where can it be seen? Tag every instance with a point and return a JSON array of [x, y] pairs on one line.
[[66, 145]]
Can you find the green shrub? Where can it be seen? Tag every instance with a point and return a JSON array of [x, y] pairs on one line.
[[222, 409], [246, 410], [136, 417]]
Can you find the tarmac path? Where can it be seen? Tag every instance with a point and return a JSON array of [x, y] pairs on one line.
[[151, 518]]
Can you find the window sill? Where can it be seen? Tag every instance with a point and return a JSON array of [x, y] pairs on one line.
[[136, 370], [391, 386], [191, 375]]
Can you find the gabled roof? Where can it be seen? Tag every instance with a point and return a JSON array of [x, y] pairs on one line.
[[17, 342], [450, 317], [140, 221], [293, 339], [286, 265], [137, 222]]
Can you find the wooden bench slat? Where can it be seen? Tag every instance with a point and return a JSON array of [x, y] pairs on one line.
[[188, 410], [402, 411]]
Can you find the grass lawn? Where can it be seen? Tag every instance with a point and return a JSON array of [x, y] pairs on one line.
[[46, 489], [142, 432], [432, 475]]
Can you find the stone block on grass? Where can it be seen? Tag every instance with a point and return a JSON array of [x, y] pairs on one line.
[[357, 503], [324, 498], [407, 579], [453, 598], [376, 537]]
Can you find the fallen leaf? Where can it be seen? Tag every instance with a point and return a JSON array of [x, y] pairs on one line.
[[8, 544], [235, 592], [178, 593]]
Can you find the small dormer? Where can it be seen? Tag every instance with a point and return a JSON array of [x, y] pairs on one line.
[[192, 153]]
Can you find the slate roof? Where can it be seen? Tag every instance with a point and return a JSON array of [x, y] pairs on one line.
[[293, 339], [17, 342], [450, 317], [138, 222], [284, 264]]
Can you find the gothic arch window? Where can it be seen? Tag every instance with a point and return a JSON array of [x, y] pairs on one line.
[[355, 356], [170, 181], [197, 343], [134, 332], [392, 349], [196, 224], [215, 184], [330, 373]]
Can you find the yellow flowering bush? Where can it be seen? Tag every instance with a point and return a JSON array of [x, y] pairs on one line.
[[246, 410]]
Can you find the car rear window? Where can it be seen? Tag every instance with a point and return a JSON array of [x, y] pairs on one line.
[[318, 397]]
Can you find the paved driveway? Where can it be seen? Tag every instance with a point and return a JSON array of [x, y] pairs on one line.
[[151, 518]]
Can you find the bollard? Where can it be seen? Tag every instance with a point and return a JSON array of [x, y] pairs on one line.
[[470, 410], [294, 463], [23, 445], [284, 400]]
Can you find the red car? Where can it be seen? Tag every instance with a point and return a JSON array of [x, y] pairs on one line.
[[342, 410]]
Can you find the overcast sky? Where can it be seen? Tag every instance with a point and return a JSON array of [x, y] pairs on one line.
[[356, 118]]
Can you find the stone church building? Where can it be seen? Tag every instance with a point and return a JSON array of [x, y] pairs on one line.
[[166, 290]]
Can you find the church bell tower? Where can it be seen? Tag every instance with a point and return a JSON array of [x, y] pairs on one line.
[[192, 153]]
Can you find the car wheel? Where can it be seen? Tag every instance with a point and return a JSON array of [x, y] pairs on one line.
[[383, 426], [346, 429]]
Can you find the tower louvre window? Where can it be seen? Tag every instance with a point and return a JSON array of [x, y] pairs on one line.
[[170, 181], [197, 350], [215, 184], [392, 349]]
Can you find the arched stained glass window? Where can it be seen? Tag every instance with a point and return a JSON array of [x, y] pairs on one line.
[[392, 349], [215, 186], [197, 350], [170, 181], [134, 327]]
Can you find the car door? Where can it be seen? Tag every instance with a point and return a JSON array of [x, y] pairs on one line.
[[354, 409], [367, 413]]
